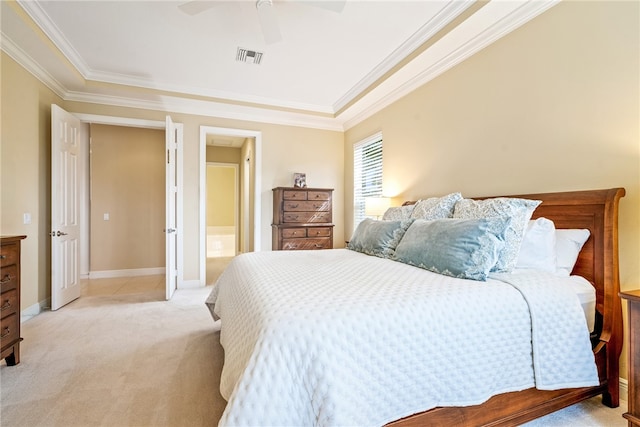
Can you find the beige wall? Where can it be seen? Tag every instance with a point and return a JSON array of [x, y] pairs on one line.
[[221, 195], [554, 106], [25, 166], [128, 184]]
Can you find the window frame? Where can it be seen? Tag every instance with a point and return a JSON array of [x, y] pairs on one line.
[[374, 170]]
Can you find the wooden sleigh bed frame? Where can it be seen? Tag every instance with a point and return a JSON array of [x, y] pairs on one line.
[[596, 210]]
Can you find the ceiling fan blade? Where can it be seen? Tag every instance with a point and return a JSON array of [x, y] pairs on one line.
[[196, 6], [332, 5], [268, 21]]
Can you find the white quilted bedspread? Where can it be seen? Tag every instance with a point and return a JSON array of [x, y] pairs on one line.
[[338, 338]]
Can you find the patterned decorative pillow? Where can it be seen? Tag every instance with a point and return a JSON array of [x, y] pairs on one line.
[[519, 210], [463, 248], [398, 213], [378, 238], [436, 207]]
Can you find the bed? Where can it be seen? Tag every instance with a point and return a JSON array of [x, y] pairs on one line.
[[342, 337]]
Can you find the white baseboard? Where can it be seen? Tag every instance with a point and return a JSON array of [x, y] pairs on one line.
[[190, 284], [34, 310], [624, 389], [106, 274]]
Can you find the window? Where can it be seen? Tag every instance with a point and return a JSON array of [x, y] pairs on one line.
[[367, 174]]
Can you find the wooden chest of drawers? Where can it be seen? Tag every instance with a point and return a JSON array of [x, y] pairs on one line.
[[302, 218], [10, 299]]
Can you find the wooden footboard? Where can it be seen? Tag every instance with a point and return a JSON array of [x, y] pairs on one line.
[[596, 210]]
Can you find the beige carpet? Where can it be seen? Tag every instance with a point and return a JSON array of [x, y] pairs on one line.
[[136, 360]]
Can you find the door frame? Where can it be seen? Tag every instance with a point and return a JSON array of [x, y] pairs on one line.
[[257, 205], [149, 124]]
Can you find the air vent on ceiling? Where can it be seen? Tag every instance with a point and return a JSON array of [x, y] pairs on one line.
[[245, 55]]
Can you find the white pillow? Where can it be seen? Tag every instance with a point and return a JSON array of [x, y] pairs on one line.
[[538, 248], [569, 242]]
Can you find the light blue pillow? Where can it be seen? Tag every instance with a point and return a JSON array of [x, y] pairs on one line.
[[463, 248], [378, 238], [519, 210]]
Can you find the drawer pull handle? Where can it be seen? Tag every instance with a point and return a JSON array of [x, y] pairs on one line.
[[6, 305], [294, 206], [3, 257], [318, 245], [7, 278], [4, 334]]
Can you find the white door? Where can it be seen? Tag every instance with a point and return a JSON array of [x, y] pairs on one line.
[[65, 212], [173, 136]]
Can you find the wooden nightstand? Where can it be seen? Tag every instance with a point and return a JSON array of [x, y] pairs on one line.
[[633, 305]]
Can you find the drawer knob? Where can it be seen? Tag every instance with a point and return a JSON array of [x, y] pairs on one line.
[[3, 257], [6, 305], [7, 332], [6, 278]]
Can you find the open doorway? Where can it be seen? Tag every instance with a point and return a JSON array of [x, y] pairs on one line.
[[240, 148], [222, 210]]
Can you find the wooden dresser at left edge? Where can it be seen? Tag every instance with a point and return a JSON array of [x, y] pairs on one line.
[[302, 218], [10, 299]]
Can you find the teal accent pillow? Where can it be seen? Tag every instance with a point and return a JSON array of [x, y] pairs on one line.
[[378, 238], [463, 248], [519, 210]]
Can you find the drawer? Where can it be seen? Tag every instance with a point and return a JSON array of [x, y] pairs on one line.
[[8, 302], [306, 244], [8, 277], [9, 254], [294, 206], [319, 232], [295, 233], [307, 217], [9, 330], [295, 195], [319, 195]]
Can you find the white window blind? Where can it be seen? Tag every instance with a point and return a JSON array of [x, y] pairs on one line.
[[367, 174]]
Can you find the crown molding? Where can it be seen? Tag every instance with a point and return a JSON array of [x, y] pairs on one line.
[[428, 30], [502, 27], [267, 111], [173, 104], [35, 12], [38, 15], [21, 57]]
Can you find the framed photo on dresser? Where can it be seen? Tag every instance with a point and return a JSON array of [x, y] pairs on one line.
[[299, 180]]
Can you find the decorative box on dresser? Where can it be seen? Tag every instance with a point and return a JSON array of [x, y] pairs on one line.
[[302, 218], [633, 308], [10, 299]]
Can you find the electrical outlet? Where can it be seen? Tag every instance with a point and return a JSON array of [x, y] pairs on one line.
[[26, 218], [106, 216]]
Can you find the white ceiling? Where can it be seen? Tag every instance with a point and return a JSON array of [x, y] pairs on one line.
[[331, 70]]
